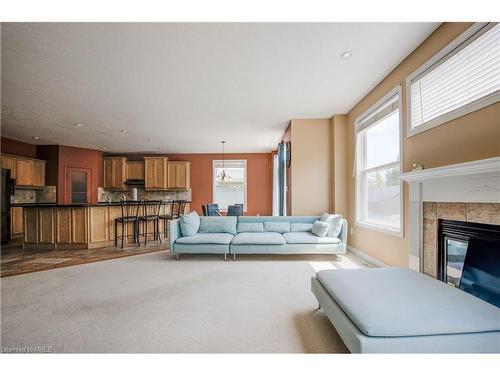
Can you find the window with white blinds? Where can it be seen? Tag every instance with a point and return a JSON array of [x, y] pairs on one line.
[[230, 183], [378, 199], [463, 77]]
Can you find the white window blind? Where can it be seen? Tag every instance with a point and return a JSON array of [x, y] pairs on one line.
[[233, 188], [464, 79]]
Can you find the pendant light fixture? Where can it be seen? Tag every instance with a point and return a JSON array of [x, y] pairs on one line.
[[222, 176]]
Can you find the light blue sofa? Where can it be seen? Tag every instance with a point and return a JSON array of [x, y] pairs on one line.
[[256, 235]]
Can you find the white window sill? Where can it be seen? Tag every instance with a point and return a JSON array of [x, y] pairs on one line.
[[379, 228]]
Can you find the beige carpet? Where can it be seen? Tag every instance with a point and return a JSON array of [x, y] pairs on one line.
[[153, 303]]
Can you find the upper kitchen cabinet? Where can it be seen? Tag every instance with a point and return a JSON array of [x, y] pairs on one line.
[[24, 172], [9, 162], [114, 172], [135, 170], [155, 172], [178, 175], [38, 173], [27, 172]]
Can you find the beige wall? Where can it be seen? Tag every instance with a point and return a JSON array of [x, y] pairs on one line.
[[471, 137], [340, 169], [311, 169]]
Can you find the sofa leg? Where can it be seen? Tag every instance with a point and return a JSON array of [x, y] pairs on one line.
[[319, 306], [234, 256], [177, 256], [225, 257]]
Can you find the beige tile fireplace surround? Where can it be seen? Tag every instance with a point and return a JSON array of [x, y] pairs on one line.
[[468, 191], [485, 213]]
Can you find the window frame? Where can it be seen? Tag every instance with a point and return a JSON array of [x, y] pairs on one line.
[[458, 44], [360, 186], [214, 161]]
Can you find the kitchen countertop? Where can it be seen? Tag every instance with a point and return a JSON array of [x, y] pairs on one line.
[[99, 204], [64, 205]]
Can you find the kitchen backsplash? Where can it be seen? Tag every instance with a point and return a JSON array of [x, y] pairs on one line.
[[144, 194], [45, 195]]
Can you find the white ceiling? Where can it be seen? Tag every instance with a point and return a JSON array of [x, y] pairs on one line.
[[188, 85]]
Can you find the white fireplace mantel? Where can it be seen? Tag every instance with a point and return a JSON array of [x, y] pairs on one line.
[[475, 181]]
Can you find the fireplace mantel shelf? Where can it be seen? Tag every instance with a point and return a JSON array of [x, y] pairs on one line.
[[471, 182], [477, 168]]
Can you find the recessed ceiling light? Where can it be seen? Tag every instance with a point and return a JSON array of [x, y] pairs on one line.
[[78, 125], [103, 147], [346, 54], [150, 139], [36, 137], [123, 131]]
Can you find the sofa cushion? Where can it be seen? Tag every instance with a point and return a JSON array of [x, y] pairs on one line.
[[250, 227], [334, 224], [300, 227], [218, 224], [264, 238], [206, 238], [320, 228], [309, 238], [277, 219], [279, 227], [391, 302], [189, 223]]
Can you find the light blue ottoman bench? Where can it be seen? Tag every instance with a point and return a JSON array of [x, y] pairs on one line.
[[397, 310]]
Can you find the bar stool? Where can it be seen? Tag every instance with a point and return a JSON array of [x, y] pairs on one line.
[[179, 206], [167, 216], [151, 213], [130, 214]]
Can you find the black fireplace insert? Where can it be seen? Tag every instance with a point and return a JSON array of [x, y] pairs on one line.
[[469, 258]]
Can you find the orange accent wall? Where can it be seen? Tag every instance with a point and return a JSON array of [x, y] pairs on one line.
[[11, 146], [75, 157], [259, 179]]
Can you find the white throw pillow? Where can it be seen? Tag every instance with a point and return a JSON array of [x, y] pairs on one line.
[[190, 224], [320, 228], [334, 224]]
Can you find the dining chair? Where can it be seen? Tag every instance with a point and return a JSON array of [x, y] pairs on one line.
[[151, 213], [213, 209], [129, 214], [235, 210]]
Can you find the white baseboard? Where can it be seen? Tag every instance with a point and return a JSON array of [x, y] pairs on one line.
[[366, 257]]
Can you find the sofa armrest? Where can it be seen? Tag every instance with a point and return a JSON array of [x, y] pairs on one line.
[[343, 232], [174, 232]]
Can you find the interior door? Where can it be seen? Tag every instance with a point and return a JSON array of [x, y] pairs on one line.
[[78, 183]]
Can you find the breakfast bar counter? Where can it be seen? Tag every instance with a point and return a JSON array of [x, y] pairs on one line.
[[73, 226]]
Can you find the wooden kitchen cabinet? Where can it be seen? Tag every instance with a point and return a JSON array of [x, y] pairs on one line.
[[135, 170], [9, 162], [114, 172], [178, 175], [16, 221], [38, 173], [24, 169], [155, 173]]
